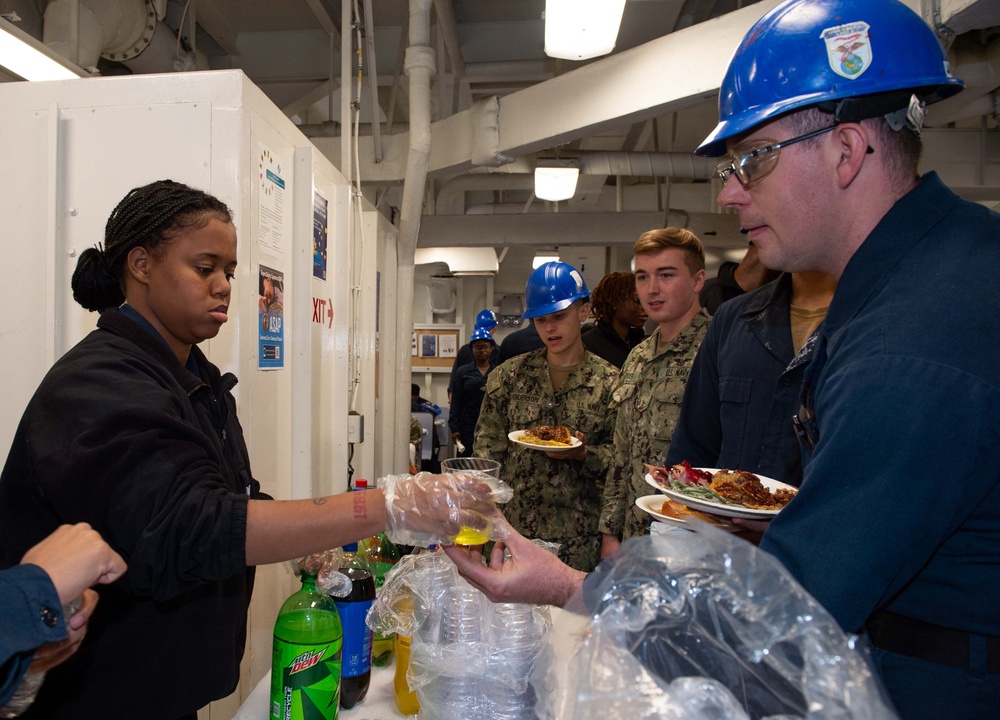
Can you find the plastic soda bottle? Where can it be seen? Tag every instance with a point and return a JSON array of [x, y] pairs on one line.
[[406, 699], [305, 671], [381, 554], [356, 671]]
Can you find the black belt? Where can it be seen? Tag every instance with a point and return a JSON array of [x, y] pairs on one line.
[[924, 641]]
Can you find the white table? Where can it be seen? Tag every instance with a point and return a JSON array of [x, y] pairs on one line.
[[380, 703]]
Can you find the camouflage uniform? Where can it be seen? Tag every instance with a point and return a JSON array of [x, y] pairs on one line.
[[649, 396], [555, 500]]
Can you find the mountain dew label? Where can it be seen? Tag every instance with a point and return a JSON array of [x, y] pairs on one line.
[[305, 680]]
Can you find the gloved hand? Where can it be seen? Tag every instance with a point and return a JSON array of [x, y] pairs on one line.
[[424, 509]]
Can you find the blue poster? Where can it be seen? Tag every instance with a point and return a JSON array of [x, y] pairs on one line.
[[271, 319], [320, 236]]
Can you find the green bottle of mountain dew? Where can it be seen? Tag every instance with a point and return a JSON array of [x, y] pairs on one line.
[[305, 672]]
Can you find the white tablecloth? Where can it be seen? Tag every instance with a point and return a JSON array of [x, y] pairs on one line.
[[380, 704]]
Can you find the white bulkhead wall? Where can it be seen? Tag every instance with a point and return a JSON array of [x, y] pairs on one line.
[[81, 145]]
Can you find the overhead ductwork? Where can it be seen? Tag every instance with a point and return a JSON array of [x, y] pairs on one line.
[[979, 68], [461, 260], [125, 31]]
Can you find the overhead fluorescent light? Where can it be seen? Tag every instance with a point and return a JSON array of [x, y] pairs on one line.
[[541, 259], [581, 29], [555, 183], [30, 59]]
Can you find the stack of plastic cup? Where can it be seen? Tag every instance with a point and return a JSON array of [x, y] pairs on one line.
[[439, 575], [516, 640], [457, 693]]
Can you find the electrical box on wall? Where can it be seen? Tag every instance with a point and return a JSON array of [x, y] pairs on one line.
[[355, 428]]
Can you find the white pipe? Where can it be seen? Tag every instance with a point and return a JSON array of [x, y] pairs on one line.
[[420, 65], [126, 31], [345, 85]]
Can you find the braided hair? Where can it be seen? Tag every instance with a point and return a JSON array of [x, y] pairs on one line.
[[147, 216], [613, 290]]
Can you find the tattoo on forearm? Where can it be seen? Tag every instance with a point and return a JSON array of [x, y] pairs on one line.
[[319, 501], [360, 507]]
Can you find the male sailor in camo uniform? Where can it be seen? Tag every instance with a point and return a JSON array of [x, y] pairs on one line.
[[557, 495], [669, 274]]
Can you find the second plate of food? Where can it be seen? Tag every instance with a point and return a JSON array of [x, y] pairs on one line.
[[522, 438], [672, 512]]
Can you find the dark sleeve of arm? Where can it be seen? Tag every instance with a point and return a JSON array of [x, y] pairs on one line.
[[27, 598], [698, 435], [457, 398], [155, 491]]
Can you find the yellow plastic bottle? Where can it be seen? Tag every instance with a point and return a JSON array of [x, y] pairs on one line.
[[406, 699]]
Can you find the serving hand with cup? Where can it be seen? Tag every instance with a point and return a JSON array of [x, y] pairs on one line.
[[425, 508], [485, 470]]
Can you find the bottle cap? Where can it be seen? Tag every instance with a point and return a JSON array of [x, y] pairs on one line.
[[351, 547], [360, 484]]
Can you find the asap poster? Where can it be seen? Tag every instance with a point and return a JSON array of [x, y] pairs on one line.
[[271, 318]]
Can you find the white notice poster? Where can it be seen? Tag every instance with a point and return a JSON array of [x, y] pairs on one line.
[[270, 201]]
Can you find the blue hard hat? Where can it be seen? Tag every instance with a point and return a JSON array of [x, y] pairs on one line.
[[481, 333], [486, 319], [855, 58], [552, 287]]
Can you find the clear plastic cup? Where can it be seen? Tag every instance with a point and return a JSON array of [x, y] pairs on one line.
[[516, 637], [480, 467]]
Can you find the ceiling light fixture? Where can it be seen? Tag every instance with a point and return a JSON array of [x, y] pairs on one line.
[[555, 180], [544, 256], [30, 59], [581, 29]]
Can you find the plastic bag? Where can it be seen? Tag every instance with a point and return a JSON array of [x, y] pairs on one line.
[[326, 567], [702, 626], [414, 504], [470, 659]]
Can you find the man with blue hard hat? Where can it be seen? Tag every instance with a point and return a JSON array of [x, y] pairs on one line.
[[557, 495], [895, 528], [485, 320], [905, 376]]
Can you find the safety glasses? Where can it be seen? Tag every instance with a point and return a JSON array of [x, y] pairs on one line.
[[752, 161]]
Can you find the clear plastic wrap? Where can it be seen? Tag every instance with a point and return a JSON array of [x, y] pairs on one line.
[[704, 626], [418, 506], [470, 659], [326, 567]]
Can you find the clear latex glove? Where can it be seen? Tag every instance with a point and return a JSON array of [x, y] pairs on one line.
[[424, 509], [326, 567]]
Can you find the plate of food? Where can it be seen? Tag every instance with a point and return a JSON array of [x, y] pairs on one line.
[[672, 512], [729, 493], [547, 438]]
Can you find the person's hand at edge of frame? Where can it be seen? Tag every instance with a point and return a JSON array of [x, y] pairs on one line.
[[75, 557]]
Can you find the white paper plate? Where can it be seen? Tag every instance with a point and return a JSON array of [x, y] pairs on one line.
[[515, 437], [653, 503], [718, 508]]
